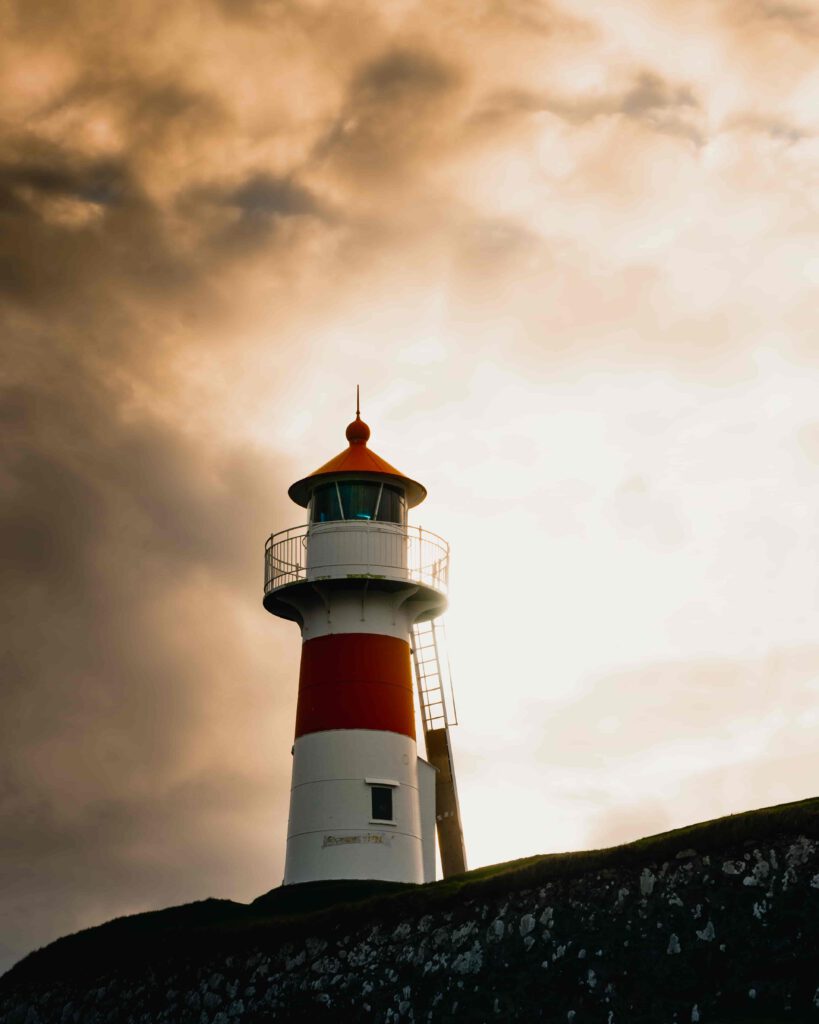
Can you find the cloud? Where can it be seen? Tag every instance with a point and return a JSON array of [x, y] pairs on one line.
[[795, 16], [671, 743], [649, 100], [135, 648], [134, 656], [262, 194], [75, 865], [401, 73], [395, 112], [100, 183]]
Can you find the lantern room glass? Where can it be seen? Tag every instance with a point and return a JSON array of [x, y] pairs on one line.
[[362, 500]]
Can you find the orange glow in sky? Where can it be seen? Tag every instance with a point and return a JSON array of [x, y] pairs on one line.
[[569, 252]]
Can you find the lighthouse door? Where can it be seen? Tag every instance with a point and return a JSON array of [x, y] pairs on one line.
[[437, 714]]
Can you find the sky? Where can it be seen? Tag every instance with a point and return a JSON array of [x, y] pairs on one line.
[[569, 252]]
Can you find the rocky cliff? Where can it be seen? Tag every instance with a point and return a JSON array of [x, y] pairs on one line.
[[715, 923]]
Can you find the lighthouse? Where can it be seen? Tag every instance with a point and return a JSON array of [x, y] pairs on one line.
[[366, 588]]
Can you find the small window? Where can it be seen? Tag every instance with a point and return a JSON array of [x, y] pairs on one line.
[[382, 803]]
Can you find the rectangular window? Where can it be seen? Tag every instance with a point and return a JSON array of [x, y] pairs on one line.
[[382, 803]]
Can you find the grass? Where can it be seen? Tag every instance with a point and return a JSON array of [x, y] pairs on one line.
[[208, 926]]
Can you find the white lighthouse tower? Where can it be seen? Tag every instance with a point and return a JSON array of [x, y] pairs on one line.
[[365, 587]]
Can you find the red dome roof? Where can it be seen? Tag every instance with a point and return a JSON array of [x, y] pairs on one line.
[[357, 432], [359, 461]]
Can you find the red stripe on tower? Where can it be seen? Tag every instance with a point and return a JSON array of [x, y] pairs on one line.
[[355, 681]]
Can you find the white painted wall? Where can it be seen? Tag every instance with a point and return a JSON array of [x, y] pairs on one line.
[[426, 794], [349, 611], [338, 549], [330, 831]]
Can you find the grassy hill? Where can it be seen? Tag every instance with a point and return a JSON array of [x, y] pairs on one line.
[[215, 926]]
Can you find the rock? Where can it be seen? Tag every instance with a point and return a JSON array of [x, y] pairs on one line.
[[587, 956], [647, 881]]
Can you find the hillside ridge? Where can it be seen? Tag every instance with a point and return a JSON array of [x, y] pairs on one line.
[[764, 872]]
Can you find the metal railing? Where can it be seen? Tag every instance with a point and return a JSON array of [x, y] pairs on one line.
[[357, 549]]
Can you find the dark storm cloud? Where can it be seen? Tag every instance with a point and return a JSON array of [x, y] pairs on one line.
[[54, 174], [240, 219], [401, 73], [49, 259], [78, 462], [650, 100], [391, 115], [138, 761], [73, 865], [263, 194], [152, 107], [105, 516], [129, 549], [132, 546]]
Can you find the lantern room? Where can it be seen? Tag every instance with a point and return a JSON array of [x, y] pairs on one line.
[[357, 530]]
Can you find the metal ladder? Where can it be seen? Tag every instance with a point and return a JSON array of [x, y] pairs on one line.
[[435, 695], [437, 702]]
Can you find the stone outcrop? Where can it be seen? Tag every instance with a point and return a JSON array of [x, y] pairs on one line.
[[703, 933]]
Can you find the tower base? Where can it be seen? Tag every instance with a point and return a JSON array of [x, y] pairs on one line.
[[333, 831]]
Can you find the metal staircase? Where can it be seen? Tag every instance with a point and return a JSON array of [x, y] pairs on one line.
[[438, 713]]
